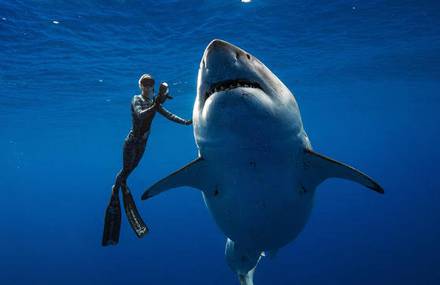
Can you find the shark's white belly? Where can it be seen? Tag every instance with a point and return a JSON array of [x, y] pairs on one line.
[[258, 199]]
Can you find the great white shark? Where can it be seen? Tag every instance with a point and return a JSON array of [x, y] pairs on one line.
[[256, 167]]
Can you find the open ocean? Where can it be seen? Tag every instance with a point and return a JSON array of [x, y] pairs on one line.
[[366, 75]]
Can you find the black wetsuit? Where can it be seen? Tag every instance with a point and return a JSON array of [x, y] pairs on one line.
[[143, 112], [135, 143]]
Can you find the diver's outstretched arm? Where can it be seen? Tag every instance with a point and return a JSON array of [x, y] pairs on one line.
[[170, 116], [161, 98]]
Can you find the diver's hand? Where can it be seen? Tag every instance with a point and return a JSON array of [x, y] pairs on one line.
[[163, 93], [189, 122]]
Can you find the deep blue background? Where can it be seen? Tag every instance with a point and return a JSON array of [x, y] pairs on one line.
[[366, 77]]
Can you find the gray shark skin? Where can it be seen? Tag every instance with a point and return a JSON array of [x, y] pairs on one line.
[[256, 168]]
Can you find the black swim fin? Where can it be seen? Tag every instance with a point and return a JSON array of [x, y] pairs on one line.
[[112, 223], [133, 216]]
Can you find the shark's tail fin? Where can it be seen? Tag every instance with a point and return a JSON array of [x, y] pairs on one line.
[[319, 167], [248, 278], [242, 260]]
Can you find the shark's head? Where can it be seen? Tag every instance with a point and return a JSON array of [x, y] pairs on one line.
[[240, 101]]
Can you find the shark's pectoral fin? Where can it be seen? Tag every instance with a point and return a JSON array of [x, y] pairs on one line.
[[319, 167], [189, 175]]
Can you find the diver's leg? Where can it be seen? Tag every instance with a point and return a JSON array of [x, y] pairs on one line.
[[132, 157], [112, 221], [133, 216], [129, 159], [133, 152]]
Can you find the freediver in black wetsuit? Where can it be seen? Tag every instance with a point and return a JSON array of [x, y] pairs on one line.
[[143, 110]]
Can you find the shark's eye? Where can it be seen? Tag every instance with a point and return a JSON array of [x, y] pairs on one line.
[[248, 56]]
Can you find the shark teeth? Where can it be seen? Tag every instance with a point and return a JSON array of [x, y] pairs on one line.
[[231, 84]]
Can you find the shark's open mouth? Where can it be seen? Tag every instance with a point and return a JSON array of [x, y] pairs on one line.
[[231, 84]]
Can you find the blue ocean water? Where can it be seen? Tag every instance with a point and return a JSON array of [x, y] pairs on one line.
[[366, 77]]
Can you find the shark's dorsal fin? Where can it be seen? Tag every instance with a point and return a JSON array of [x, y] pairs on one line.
[[189, 175], [320, 167]]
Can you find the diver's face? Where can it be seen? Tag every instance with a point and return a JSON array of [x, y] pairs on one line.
[[147, 90]]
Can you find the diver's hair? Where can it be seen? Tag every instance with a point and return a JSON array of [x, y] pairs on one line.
[[145, 78]]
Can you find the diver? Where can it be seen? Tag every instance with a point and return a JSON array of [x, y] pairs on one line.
[[143, 110]]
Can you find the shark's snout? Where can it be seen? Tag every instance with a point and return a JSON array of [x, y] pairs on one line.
[[225, 67], [217, 52], [218, 46], [221, 51], [216, 43]]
